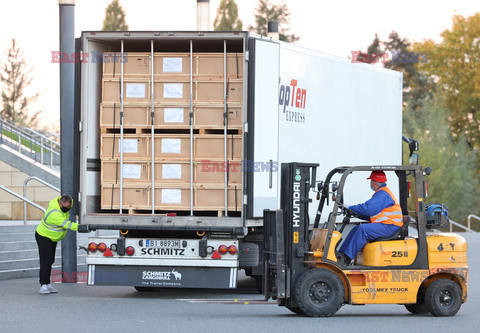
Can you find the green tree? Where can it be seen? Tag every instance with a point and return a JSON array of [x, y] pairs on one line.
[[114, 18], [227, 17], [15, 77], [455, 64], [267, 12], [455, 178], [397, 53]]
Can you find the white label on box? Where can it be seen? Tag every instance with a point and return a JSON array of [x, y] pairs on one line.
[[135, 90], [171, 146], [172, 171], [171, 196], [132, 171], [172, 65], [173, 90], [173, 115], [129, 146]]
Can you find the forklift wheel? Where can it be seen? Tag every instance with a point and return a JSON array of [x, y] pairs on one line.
[[443, 298], [296, 311], [417, 308], [319, 292]]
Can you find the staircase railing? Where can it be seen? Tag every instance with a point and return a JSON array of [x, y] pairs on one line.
[[43, 148], [25, 183], [22, 198]]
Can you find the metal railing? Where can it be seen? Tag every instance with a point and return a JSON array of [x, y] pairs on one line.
[[469, 219], [22, 198], [25, 183], [453, 223], [38, 146]]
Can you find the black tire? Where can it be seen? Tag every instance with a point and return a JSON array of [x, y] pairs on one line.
[[145, 289], [443, 298], [319, 292], [417, 308], [297, 311]]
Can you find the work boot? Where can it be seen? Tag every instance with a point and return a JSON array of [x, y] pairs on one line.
[[44, 289], [51, 289], [342, 258]]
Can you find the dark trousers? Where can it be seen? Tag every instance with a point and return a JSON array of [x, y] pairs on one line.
[[46, 251]]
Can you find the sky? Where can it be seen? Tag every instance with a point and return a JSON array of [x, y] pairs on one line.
[[334, 27]]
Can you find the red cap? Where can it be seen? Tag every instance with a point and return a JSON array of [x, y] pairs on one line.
[[378, 176]]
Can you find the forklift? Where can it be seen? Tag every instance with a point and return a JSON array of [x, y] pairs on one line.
[[427, 272]]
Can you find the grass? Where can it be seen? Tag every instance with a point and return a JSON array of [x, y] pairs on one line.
[[25, 142]]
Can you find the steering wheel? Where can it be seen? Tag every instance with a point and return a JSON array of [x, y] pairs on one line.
[[350, 213]]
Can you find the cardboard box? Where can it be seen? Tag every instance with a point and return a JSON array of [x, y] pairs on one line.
[[172, 64], [211, 65], [213, 91], [212, 116], [175, 116], [134, 64], [172, 91], [138, 90], [134, 90], [170, 197], [140, 116], [209, 146], [210, 172], [171, 146], [135, 146]]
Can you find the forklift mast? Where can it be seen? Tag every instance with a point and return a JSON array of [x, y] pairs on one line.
[[285, 255]]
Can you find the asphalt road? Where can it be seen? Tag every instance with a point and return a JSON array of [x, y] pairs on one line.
[[78, 307]]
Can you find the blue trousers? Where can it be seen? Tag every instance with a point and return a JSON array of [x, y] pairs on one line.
[[358, 237]]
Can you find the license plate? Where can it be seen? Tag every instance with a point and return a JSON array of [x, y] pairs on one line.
[[163, 243]]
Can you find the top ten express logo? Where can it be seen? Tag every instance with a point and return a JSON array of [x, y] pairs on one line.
[[293, 98]]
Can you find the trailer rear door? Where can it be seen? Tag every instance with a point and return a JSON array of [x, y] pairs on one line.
[[262, 166]]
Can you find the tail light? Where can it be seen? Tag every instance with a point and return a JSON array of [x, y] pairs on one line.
[[232, 249], [130, 250], [102, 247], [222, 249], [92, 247]]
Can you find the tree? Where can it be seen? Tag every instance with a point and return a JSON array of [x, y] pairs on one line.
[[15, 77], [397, 53], [373, 55], [455, 177], [267, 12], [455, 64], [114, 18], [227, 17]]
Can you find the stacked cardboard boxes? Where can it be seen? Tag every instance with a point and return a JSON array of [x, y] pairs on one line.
[[172, 90]]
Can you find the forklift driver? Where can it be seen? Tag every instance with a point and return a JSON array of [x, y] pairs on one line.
[[382, 210]]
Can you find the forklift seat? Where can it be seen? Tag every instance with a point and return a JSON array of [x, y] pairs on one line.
[[397, 235]]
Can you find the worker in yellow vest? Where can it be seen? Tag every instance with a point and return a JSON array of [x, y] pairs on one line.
[[382, 210], [52, 229]]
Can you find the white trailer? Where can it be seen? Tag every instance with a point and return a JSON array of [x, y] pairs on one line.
[[299, 105]]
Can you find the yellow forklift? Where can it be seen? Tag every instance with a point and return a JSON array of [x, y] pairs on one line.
[[426, 272]]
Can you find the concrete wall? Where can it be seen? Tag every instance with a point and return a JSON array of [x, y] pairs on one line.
[[10, 206]]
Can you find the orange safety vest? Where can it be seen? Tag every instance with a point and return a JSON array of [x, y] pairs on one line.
[[389, 215]]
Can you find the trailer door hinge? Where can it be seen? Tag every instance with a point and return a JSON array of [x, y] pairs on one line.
[[80, 126], [247, 55]]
